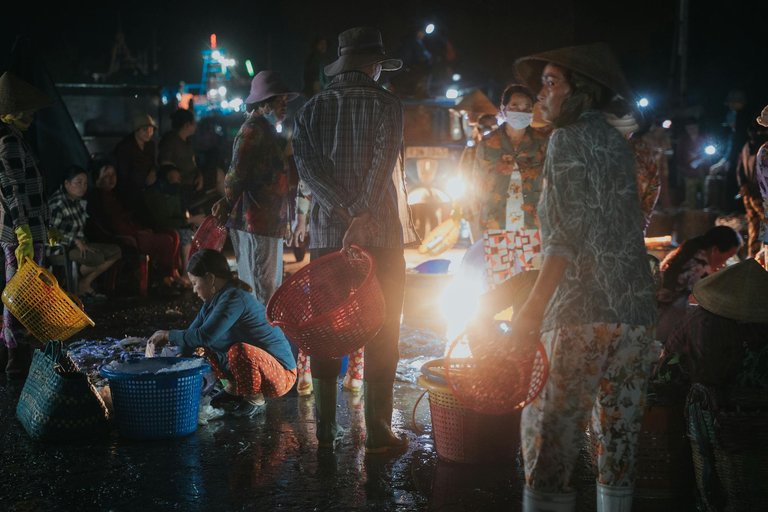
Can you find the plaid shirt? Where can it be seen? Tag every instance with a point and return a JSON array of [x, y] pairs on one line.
[[22, 198], [68, 216], [258, 181], [347, 140]]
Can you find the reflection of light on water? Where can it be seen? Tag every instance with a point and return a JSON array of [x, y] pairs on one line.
[[459, 303]]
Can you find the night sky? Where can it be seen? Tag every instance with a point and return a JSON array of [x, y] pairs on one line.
[[727, 44]]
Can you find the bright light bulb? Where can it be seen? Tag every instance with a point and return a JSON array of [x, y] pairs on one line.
[[666, 124], [279, 127], [430, 28], [213, 92], [710, 149], [456, 77], [222, 90], [225, 104], [452, 93], [643, 102]]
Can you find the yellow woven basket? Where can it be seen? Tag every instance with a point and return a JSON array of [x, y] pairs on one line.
[[34, 297]]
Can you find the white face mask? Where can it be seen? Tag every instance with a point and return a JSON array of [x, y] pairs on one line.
[[518, 120]]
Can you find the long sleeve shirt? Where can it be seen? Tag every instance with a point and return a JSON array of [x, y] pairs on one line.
[[761, 175], [347, 140], [173, 149], [68, 216], [589, 212], [258, 181], [22, 197], [233, 316], [712, 348], [134, 165]]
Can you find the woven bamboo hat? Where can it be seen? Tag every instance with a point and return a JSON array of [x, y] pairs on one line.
[[737, 292], [18, 96], [596, 61], [762, 119]]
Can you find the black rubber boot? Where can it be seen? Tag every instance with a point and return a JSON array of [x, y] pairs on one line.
[[3, 355], [329, 433], [379, 437]]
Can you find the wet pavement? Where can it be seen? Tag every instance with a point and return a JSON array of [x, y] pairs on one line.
[[268, 463]]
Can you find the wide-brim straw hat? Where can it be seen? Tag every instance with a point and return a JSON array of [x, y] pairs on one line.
[[18, 96], [762, 119], [268, 84], [361, 46], [596, 61], [736, 292]]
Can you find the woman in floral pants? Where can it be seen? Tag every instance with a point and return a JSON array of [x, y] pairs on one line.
[[593, 303]]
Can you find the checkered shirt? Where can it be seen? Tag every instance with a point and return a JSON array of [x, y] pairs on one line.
[[22, 197], [347, 140]]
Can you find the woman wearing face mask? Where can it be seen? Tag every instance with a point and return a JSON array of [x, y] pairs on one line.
[[508, 168], [257, 185]]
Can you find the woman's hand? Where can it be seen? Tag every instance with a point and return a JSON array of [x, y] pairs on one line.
[[220, 210], [80, 244], [156, 341], [526, 324]]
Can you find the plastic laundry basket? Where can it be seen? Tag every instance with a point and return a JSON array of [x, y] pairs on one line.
[[34, 297], [463, 435], [332, 306], [156, 405]]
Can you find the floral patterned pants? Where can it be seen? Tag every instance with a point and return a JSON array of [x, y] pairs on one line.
[[602, 368]]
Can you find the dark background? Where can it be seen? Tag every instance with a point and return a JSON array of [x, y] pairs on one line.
[[726, 39]]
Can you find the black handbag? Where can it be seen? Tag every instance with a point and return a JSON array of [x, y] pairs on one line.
[[58, 403]]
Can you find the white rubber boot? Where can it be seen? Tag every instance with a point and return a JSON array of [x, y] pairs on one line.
[[614, 499], [537, 501]]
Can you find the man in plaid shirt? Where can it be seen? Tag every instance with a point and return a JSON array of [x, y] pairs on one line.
[[347, 141], [23, 208]]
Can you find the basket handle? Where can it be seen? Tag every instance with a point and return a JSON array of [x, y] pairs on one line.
[[355, 252], [416, 427], [46, 277]]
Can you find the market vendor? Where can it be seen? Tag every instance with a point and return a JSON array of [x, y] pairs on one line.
[[715, 339], [592, 304], [23, 210], [232, 328]]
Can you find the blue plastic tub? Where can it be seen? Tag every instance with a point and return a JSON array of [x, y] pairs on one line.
[[155, 405]]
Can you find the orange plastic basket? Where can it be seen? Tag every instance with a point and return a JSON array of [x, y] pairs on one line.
[[332, 306], [34, 297]]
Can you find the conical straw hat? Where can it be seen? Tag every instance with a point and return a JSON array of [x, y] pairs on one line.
[[18, 96], [737, 292]]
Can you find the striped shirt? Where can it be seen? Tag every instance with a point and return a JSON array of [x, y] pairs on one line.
[[347, 141], [22, 198]]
